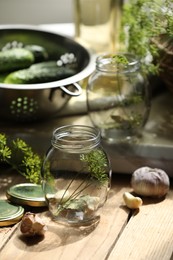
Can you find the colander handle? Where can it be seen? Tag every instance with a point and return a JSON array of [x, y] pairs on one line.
[[76, 93]]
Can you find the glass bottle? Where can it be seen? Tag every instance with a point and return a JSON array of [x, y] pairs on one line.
[[97, 23], [76, 175], [118, 97]]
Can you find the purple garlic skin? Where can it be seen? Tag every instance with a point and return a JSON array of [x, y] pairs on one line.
[[150, 182]]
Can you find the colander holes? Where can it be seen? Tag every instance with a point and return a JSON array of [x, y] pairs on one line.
[[25, 102], [19, 104], [23, 107]]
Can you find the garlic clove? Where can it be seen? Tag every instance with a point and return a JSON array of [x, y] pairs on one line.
[[151, 182], [32, 225], [131, 201]]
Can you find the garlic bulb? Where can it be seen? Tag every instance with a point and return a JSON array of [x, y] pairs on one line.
[[150, 182], [32, 225]]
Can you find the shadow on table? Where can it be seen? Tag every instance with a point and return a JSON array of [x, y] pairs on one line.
[[57, 235]]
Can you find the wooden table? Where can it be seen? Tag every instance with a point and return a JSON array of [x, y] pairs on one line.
[[120, 234]]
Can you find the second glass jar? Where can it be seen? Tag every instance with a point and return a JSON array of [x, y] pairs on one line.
[[118, 97]]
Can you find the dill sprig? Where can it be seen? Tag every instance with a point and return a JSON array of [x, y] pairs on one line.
[[97, 163], [143, 20], [21, 157], [119, 59]]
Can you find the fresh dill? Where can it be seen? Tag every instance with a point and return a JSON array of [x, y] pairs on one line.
[[97, 163], [120, 59], [21, 157], [142, 21]]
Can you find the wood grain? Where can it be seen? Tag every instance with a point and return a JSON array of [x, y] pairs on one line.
[[149, 233]]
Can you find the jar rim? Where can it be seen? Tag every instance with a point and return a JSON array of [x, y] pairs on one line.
[[105, 62], [76, 137]]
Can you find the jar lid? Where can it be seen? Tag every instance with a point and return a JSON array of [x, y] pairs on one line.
[[9, 214], [29, 194]]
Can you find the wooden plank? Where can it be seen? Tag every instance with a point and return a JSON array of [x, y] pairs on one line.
[[148, 234], [8, 177], [5, 235], [84, 243]]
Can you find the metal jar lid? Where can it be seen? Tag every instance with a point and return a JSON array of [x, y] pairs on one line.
[[9, 214], [27, 194]]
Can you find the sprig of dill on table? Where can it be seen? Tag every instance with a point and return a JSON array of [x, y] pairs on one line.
[[21, 157]]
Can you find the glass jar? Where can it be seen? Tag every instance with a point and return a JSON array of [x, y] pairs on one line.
[[76, 175], [117, 97]]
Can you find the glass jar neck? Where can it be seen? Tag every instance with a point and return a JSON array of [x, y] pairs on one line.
[[76, 138], [117, 63]]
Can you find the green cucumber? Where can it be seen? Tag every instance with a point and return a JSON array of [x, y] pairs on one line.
[[39, 73], [43, 65], [15, 59], [39, 52]]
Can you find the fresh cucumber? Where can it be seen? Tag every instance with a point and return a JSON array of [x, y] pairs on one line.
[[15, 59], [43, 65], [39, 73], [39, 52]]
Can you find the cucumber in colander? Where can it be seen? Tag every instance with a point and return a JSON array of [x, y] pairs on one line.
[[15, 59], [39, 73]]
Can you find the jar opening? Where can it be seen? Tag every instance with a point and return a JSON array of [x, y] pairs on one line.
[[76, 137], [109, 63]]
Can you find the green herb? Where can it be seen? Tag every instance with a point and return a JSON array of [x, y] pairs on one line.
[[97, 163], [119, 59], [20, 156], [129, 123], [143, 20]]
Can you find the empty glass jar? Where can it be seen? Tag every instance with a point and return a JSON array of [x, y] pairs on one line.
[[117, 97], [76, 175]]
